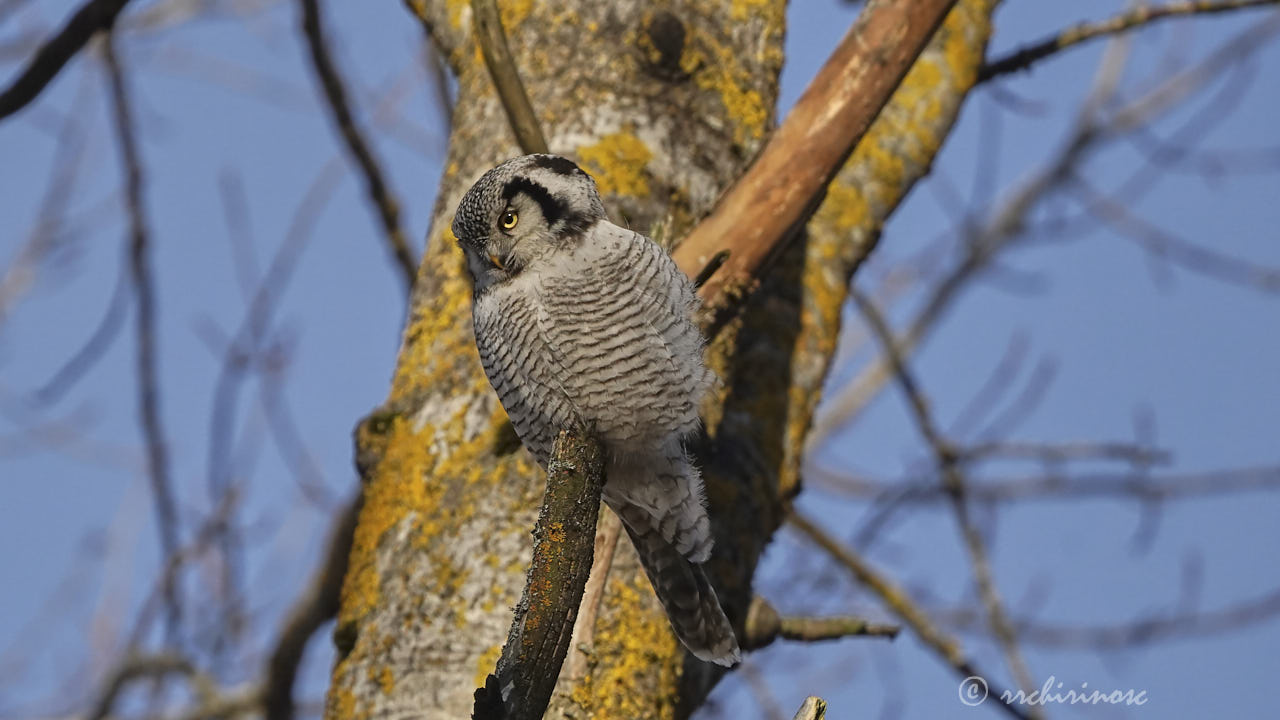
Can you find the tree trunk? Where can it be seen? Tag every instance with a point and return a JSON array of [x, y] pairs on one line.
[[664, 104]]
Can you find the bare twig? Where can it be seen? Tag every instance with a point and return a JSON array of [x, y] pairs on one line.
[[144, 291], [375, 179], [93, 349], [1051, 453], [49, 232], [776, 195], [765, 625], [1138, 486], [948, 460], [896, 599], [766, 701], [93, 16], [563, 545], [242, 350], [1142, 631], [1168, 246], [1025, 57], [142, 667]]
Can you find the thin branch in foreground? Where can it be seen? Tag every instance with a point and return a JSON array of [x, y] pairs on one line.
[[1165, 245], [1138, 632], [140, 667], [49, 234], [93, 350], [896, 599], [93, 16], [506, 79], [375, 179], [563, 546], [144, 291], [1140, 486], [1025, 57], [948, 460], [765, 625]]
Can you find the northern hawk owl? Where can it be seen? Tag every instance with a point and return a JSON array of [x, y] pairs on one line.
[[580, 321]]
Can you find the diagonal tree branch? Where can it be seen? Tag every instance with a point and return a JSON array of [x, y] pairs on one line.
[[563, 546], [1026, 56], [375, 178], [762, 211], [93, 16]]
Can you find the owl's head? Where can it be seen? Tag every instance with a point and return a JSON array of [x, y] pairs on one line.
[[522, 210]]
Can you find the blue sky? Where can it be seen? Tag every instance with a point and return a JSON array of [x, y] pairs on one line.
[[226, 98]]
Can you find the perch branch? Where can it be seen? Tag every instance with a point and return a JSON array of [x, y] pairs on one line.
[[506, 79], [563, 546], [53, 55], [1028, 55], [788, 179], [375, 180]]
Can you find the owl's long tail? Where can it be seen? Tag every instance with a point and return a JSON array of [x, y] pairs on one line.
[[658, 495], [687, 596]]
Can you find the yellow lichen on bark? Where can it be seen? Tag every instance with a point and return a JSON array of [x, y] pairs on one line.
[[485, 664], [715, 66], [398, 495], [630, 641], [617, 162]]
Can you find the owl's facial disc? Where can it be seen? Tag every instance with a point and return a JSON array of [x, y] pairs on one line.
[[524, 210]]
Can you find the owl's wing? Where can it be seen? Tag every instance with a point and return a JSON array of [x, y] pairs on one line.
[[522, 369]]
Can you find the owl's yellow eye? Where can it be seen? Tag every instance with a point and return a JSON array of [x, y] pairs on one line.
[[509, 220]]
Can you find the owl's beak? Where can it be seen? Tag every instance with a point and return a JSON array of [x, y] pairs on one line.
[[501, 253]]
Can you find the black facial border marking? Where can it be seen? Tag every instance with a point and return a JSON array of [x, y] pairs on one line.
[[552, 209], [571, 225], [557, 164]]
